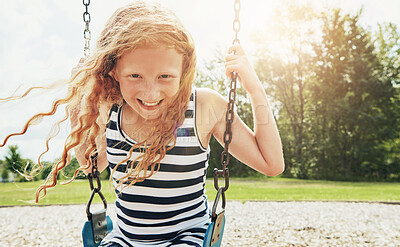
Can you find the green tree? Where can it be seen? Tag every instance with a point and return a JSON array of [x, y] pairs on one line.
[[387, 43], [70, 169], [46, 169], [16, 164], [13, 160], [352, 100], [4, 174], [334, 83], [284, 66]]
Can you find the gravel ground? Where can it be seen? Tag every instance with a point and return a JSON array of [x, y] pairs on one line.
[[248, 224]]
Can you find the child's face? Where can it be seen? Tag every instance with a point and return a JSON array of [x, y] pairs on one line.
[[148, 78]]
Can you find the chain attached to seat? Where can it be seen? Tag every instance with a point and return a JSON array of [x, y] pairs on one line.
[[98, 224], [95, 190], [214, 232], [229, 117]]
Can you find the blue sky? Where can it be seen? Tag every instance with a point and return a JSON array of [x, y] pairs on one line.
[[41, 40]]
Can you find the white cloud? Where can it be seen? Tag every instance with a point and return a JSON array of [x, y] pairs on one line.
[[22, 18]]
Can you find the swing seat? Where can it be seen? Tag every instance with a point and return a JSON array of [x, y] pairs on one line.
[[92, 238], [214, 232]]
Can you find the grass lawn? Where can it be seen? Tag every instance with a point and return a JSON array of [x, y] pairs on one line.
[[282, 189], [268, 189]]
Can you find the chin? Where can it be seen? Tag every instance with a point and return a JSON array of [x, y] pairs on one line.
[[150, 116]]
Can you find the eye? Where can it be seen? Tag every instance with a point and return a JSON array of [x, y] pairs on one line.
[[164, 76], [135, 76]]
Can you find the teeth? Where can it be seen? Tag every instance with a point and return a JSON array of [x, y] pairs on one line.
[[150, 103]]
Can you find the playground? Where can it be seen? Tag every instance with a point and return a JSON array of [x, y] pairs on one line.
[[250, 224], [339, 130]]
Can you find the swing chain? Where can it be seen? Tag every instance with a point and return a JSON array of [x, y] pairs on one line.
[[236, 22], [95, 174], [229, 117], [86, 32]]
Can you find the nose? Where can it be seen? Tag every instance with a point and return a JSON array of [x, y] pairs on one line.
[[151, 91]]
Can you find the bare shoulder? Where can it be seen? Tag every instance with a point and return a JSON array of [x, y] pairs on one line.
[[210, 111], [209, 97], [104, 111], [210, 103]]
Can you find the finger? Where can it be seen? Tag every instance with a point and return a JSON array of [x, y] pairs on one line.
[[238, 49], [230, 57], [237, 61], [231, 65], [230, 68], [229, 75]]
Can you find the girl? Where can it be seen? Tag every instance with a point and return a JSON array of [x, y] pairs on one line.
[[133, 103]]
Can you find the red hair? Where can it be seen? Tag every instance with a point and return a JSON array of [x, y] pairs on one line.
[[136, 25]]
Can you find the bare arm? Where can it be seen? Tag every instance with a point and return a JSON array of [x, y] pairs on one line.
[[102, 161], [101, 144], [261, 149]]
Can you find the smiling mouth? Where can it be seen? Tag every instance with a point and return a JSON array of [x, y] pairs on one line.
[[149, 104]]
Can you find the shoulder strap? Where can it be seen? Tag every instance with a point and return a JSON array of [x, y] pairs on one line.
[[114, 107]]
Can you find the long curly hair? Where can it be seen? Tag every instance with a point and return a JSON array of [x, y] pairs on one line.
[[92, 91]]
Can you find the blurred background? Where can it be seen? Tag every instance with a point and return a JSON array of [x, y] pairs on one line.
[[330, 69]]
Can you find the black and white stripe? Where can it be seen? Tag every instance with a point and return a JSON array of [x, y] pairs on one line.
[[170, 207]]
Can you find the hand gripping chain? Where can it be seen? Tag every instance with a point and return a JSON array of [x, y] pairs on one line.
[[229, 117], [213, 236]]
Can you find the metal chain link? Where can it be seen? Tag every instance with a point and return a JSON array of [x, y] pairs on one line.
[[86, 33], [229, 115], [94, 175], [236, 22]]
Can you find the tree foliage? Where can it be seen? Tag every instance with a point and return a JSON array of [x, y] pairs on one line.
[[335, 86], [339, 111], [14, 163]]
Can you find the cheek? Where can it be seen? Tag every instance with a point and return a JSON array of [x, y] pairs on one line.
[[175, 88], [127, 90], [170, 89]]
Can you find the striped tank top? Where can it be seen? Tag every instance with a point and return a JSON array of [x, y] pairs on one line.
[[170, 207]]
